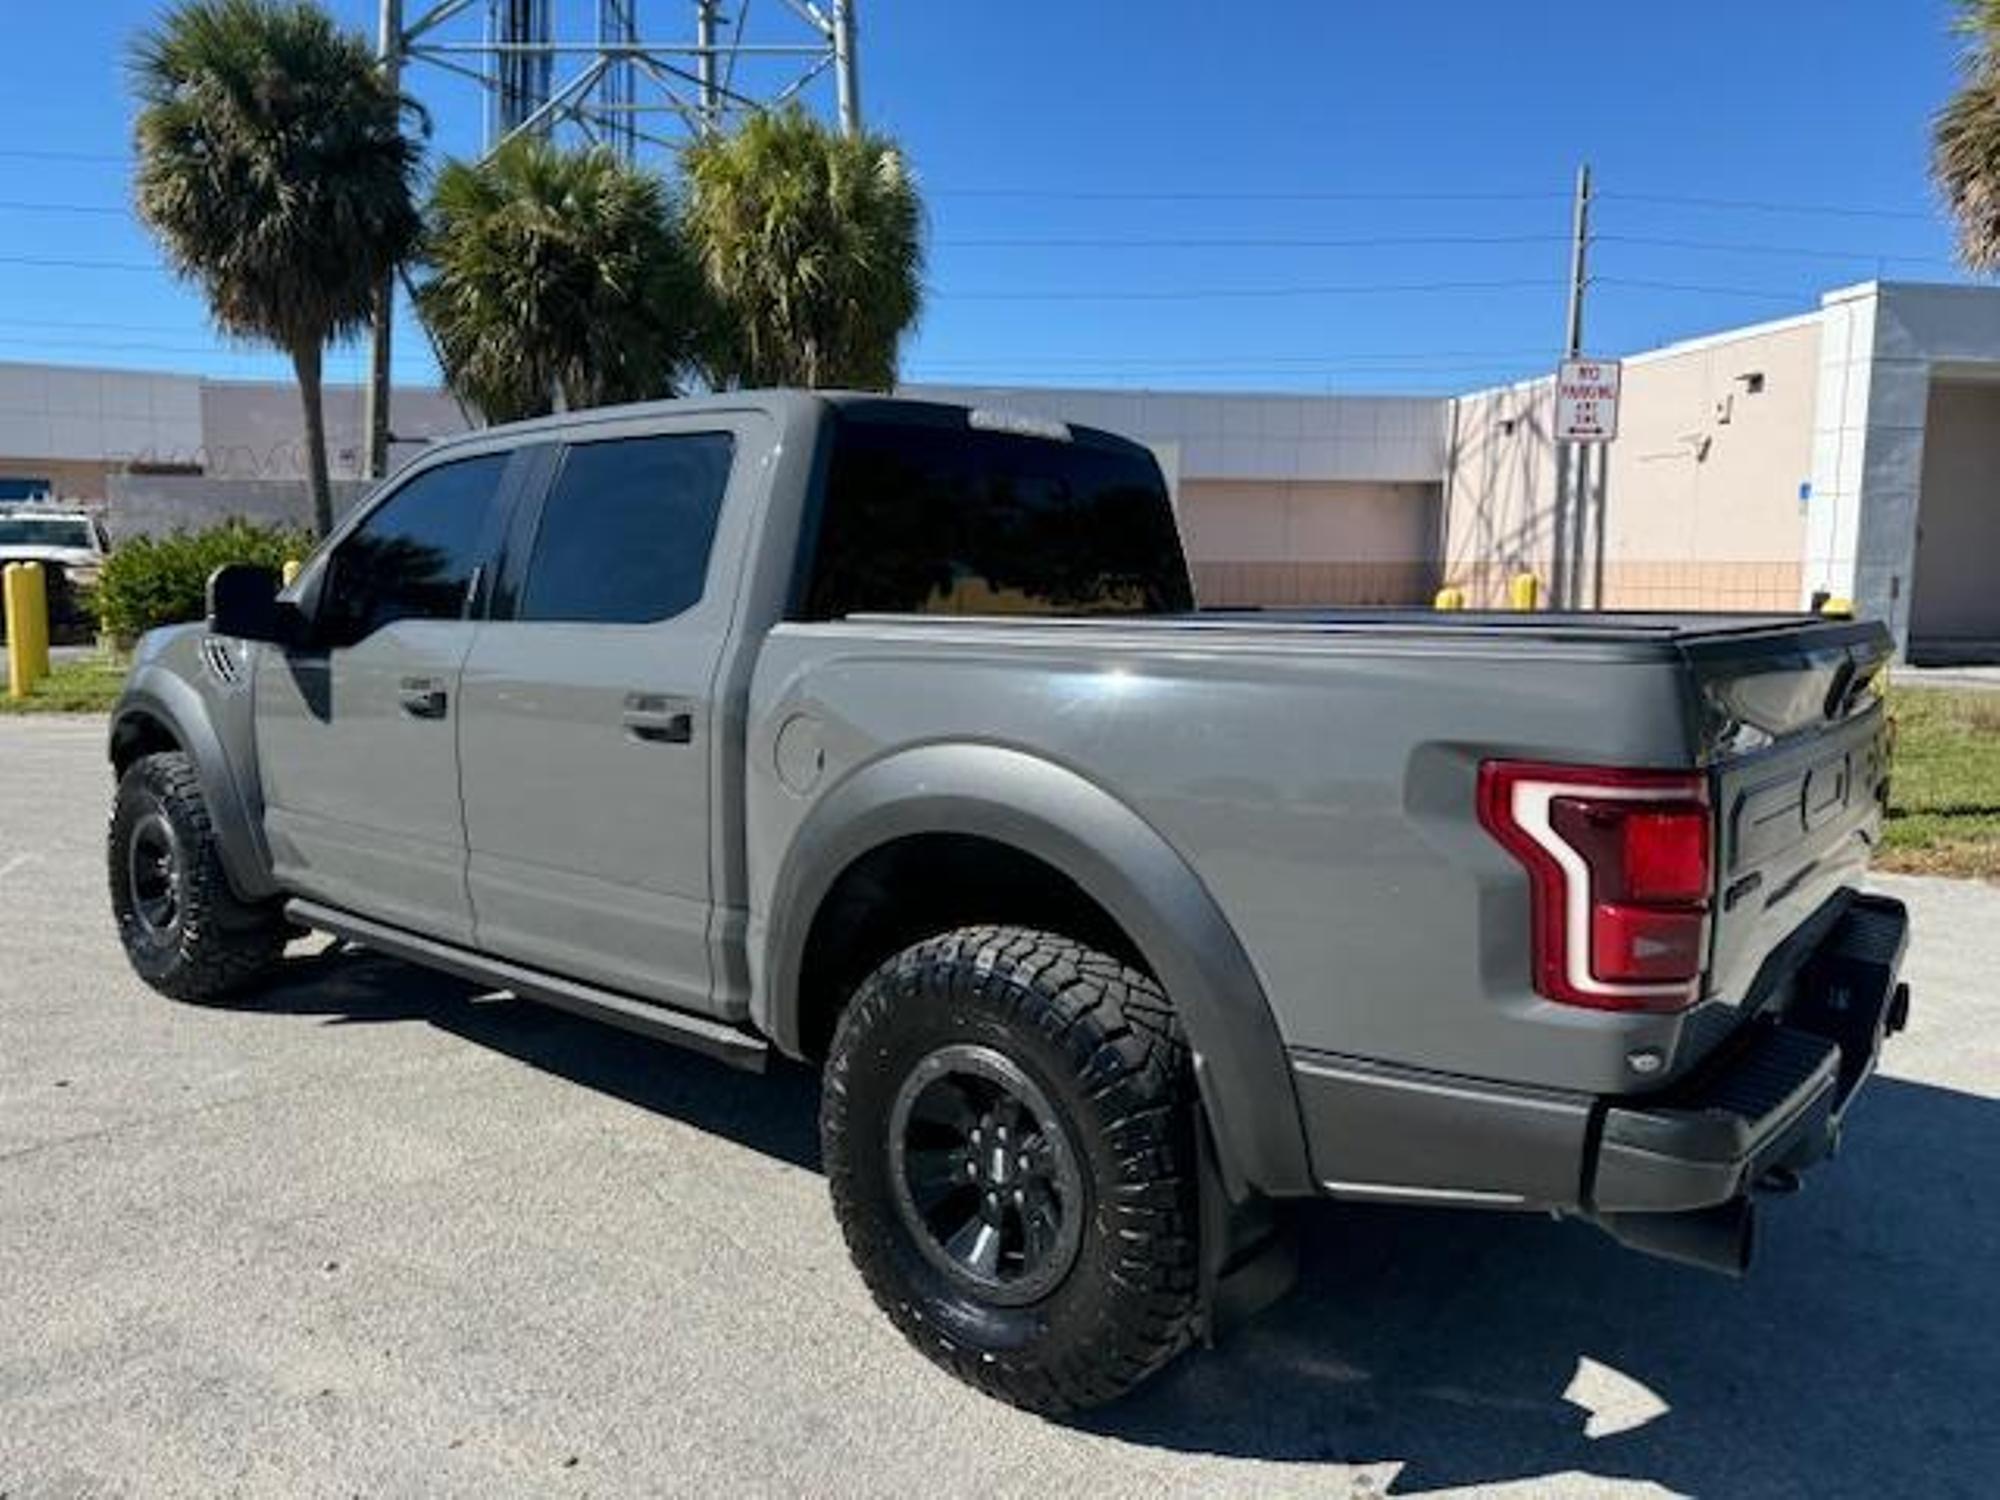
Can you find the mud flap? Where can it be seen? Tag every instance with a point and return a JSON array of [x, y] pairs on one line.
[[1249, 1247]]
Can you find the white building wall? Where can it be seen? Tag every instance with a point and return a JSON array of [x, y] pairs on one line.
[[1370, 439], [254, 430], [1882, 344], [115, 416]]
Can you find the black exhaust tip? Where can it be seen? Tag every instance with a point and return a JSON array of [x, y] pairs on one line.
[[1721, 1238]]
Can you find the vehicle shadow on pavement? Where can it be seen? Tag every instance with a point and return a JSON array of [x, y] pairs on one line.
[[777, 1114], [1861, 1356]]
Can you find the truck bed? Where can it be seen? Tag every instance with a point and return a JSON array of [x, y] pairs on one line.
[[1315, 768]]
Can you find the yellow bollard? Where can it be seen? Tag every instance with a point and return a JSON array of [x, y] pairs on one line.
[[20, 635], [1524, 591], [289, 572], [17, 661], [38, 620], [1837, 608], [1451, 596]]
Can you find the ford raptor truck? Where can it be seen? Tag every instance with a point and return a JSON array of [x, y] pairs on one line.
[[886, 735]]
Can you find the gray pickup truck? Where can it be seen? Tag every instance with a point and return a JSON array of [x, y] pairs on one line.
[[885, 735]]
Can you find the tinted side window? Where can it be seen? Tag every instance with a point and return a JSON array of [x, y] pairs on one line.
[[412, 559], [626, 530], [923, 518]]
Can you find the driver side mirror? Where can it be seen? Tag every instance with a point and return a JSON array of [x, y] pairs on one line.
[[243, 602]]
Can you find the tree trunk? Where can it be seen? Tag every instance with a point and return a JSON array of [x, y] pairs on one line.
[[306, 362]]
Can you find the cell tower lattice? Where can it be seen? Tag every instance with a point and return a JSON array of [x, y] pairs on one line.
[[609, 70]]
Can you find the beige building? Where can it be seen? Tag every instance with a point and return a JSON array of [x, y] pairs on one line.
[[1852, 452], [1700, 503]]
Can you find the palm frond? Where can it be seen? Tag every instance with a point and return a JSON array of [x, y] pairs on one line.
[[1965, 161], [273, 166], [810, 243], [555, 271]]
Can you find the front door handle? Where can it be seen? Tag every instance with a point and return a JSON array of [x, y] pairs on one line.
[[423, 697], [658, 720]]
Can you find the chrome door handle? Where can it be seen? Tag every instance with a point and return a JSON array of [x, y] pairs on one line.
[[658, 720], [422, 697]]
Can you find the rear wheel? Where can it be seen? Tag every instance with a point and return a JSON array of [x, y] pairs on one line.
[[1008, 1130], [184, 930]]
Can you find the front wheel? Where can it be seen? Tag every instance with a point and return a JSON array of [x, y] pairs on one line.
[[1008, 1130], [184, 930]]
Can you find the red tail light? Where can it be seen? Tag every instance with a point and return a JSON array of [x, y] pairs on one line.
[[1620, 870]]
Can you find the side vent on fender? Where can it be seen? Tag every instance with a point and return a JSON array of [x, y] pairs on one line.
[[219, 656]]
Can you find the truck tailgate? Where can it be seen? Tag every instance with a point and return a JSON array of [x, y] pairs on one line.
[[1796, 738]]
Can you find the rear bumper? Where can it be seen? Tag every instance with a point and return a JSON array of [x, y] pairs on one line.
[[1778, 1096], [1774, 1097]]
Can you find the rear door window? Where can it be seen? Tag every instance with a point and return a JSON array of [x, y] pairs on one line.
[[935, 516], [626, 531]]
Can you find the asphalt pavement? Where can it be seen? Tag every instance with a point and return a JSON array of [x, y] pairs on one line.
[[373, 1233]]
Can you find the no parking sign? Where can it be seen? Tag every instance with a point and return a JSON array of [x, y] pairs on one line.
[[1587, 400]]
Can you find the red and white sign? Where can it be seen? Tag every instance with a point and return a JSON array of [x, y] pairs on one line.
[[1587, 400]]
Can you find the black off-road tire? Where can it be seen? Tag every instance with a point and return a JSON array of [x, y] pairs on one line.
[[202, 943], [1097, 1040]]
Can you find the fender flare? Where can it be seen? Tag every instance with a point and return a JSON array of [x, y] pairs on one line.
[[158, 694], [1114, 856]]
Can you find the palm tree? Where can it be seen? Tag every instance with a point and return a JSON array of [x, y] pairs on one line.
[[275, 172], [555, 272], [810, 244], [1965, 140]]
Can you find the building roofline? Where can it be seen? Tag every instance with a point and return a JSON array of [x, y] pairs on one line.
[[1169, 393], [1675, 350], [1862, 290]]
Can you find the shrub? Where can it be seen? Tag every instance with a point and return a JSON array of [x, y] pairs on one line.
[[152, 581]]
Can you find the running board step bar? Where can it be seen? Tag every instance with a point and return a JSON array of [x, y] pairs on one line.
[[730, 1044]]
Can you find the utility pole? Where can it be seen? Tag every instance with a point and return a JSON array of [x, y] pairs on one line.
[[846, 75], [1579, 262], [1572, 459], [710, 96], [375, 420]]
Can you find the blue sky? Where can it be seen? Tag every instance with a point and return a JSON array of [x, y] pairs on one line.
[[1288, 194]]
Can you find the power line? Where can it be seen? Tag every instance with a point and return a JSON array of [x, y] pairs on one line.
[[1759, 205], [1288, 242], [346, 359], [983, 374], [26, 153], [1152, 242], [1268, 382], [213, 351], [66, 324], [1254, 242], [20, 207], [124, 326], [1641, 284], [64, 264], [1235, 195], [1741, 247], [1436, 356], [1271, 195], [1196, 294]]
